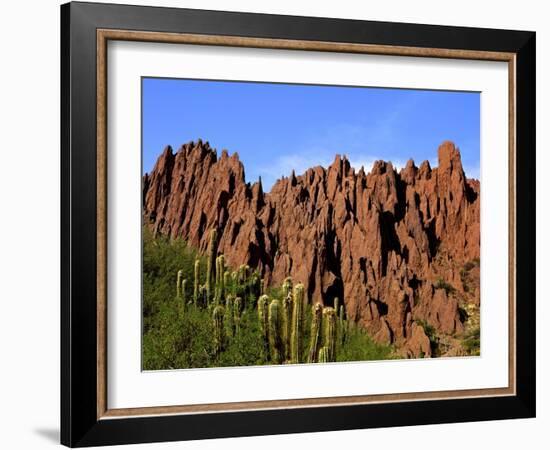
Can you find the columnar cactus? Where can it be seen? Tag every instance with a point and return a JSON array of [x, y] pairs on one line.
[[275, 342], [210, 266], [323, 355], [287, 287], [226, 283], [329, 319], [336, 310], [315, 335], [203, 299], [243, 273], [240, 283], [229, 319], [240, 272], [254, 285], [287, 324], [235, 281], [220, 270], [196, 283], [237, 313], [342, 324], [222, 279], [184, 292], [216, 279], [217, 318], [178, 283], [263, 304], [297, 324]]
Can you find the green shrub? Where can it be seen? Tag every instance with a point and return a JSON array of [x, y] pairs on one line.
[[471, 342], [442, 284], [177, 336], [429, 330]]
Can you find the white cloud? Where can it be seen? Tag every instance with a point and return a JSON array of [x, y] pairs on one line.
[[285, 164], [366, 162], [472, 172]]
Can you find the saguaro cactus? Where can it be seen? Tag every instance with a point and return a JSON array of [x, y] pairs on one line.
[[287, 325], [315, 335], [323, 355], [275, 342], [243, 273], [263, 318], [297, 324], [342, 324], [220, 270], [210, 266], [287, 287], [254, 285], [262, 286], [217, 318], [235, 281], [226, 283], [196, 283], [184, 292], [240, 282], [216, 280], [178, 283], [237, 313], [329, 318], [229, 322], [202, 294], [336, 310]]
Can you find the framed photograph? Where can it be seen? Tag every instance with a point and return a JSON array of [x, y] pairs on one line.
[[276, 224]]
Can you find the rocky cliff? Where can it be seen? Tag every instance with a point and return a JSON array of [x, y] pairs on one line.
[[401, 249]]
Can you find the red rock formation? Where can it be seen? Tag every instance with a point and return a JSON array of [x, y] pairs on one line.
[[390, 245]]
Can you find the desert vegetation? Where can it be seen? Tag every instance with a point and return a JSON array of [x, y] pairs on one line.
[[198, 312]]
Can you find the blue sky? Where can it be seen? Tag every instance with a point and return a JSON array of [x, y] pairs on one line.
[[279, 127]]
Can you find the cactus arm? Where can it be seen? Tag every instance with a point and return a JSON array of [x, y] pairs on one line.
[[237, 313], [184, 292], [275, 342], [315, 335], [217, 318], [287, 325], [323, 355], [229, 316], [297, 324], [263, 304], [196, 283], [342, 324], [210, 270], [287, 287], [178, 283], [329, 318]]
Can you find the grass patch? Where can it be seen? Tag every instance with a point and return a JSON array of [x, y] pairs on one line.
[[465, 273], [442, 284], [429, 331], [471, 342]]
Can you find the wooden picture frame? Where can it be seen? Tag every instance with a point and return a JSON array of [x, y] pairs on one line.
[[86, 418]]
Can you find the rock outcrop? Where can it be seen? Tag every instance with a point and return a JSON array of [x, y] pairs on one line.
[[392, 245]]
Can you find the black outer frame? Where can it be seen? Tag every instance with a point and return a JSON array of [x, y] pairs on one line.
[[79, 424]]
